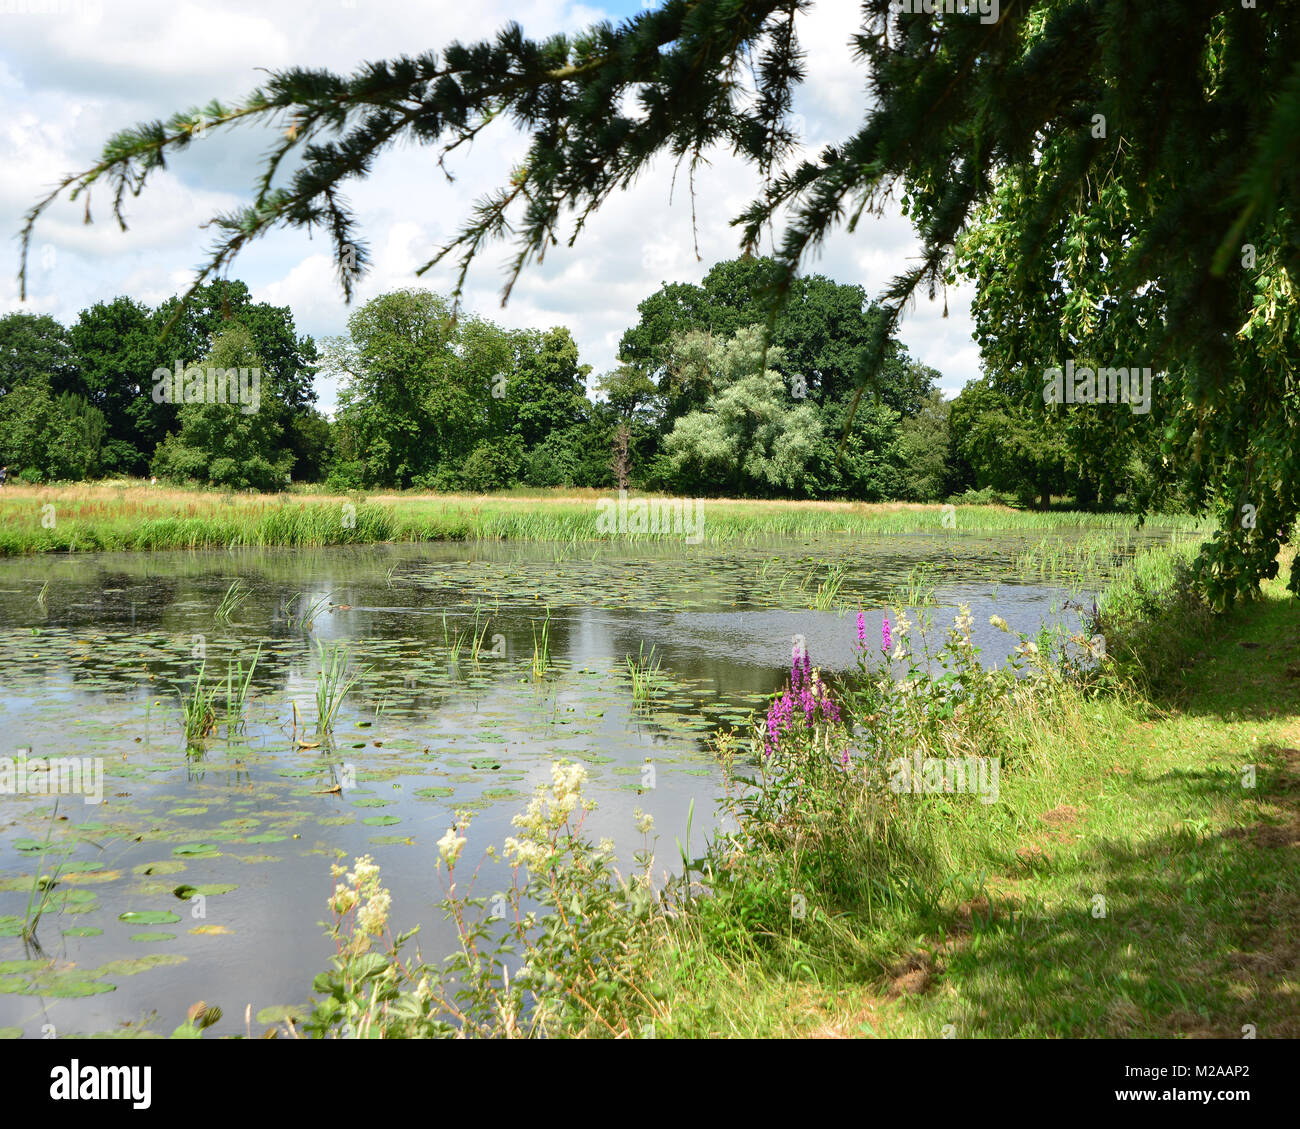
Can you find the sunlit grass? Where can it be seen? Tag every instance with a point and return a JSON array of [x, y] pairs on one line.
[[98, 517]]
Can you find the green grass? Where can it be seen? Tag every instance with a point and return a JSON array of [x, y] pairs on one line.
[[104, 517], [1127, 884]]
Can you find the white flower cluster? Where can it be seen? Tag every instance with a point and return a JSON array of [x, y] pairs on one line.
[[964, 621], [901, 630], [450, 846], [546, 814], [360, 887]]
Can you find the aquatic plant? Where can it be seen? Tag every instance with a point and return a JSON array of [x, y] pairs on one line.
[[298, 613], [333, 681], [235, 595], [238, 683], [644, 674], [198, 708], [542, 646], [43, 885]]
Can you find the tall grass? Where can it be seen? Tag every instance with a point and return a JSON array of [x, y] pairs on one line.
[[238, 683], [101, 518], [38, 894], [198, 708]]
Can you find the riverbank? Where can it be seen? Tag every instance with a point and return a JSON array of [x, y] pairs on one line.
[[1135, 874], [1137, 878], [134, 517]]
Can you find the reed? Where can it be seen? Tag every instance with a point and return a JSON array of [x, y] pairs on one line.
[[542, 646], [644, 674], [238, 684], [105, 517], [198, 708], [333, 682], [235, 595]]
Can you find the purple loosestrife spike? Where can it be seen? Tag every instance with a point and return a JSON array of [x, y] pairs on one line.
[[862, 630], [884, 635]]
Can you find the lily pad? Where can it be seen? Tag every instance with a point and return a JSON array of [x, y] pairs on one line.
[[129, 966], [170, 866], [207, 890], [188, 849], [149, 917], [381, 820]]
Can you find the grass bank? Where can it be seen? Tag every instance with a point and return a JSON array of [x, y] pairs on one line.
[[1136, 875], [125, 516]]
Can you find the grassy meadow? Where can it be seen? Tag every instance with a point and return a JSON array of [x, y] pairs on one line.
[[132, 516]]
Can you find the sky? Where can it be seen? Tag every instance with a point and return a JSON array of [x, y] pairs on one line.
[[73, 72]]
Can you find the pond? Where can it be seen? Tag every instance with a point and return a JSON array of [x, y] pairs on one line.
[[204, 872]]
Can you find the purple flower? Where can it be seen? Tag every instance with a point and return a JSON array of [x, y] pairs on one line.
[[884, 635], [862, 630]]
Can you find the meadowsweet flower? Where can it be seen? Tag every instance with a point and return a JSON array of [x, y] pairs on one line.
[[526, 852], [645, 823], [450, 845], [373, 916], [343, 900], [998, 622]]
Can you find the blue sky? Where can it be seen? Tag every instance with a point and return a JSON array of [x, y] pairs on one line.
[[72, 72]]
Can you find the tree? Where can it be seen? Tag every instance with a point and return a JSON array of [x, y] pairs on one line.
[[289, 361], [238, 444], [1006, 447], [546, 387], [922, 451], [821, 330], [116, 349], [1068, 95], [750, 436], [47, 435], [405, 408], [34, 346]]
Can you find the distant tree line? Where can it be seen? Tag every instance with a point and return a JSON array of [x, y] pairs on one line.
[[711, 396]]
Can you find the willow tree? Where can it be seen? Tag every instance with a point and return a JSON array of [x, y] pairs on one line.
[[1192, 109]]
